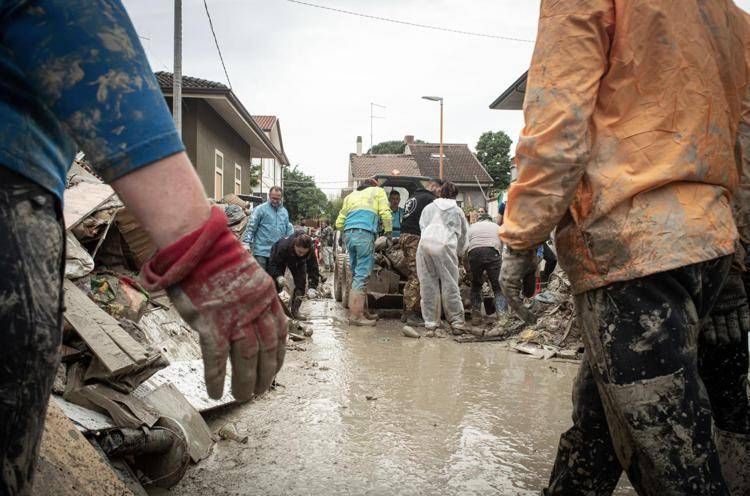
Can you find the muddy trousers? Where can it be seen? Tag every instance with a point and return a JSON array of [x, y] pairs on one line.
[[409, 243], [31, 264], [438, 273], [484, 260], [643, 397]]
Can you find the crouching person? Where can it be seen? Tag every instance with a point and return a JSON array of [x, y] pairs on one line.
[[484, 257], [296, 254]]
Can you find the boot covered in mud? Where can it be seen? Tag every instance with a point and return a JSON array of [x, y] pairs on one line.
[[296, 303], [476, 309], [357, 308], [734, 454], [411, 318], [501, 306], [458, 328]]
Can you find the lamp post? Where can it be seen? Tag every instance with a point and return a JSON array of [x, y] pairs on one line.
[[439, 99]]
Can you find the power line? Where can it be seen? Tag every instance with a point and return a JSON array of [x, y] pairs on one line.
[[408, 23], [216, 42]]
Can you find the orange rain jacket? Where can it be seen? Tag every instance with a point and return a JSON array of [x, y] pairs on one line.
[[632, 109]]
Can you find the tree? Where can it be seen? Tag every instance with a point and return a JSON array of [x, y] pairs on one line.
[[302, 198], [389, 147], [333, 208], [254, 176], [493, 152]]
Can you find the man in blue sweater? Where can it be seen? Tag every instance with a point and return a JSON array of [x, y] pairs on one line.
[[268, 224]]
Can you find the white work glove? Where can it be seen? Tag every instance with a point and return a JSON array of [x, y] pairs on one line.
[[312, 294]]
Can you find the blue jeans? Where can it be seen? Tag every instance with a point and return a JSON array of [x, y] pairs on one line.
[[361, 247]]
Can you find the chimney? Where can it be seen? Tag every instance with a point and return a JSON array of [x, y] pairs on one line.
[[409, 139], [359, 145]]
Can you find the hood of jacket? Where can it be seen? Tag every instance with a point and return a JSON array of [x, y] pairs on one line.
[[445, 203]]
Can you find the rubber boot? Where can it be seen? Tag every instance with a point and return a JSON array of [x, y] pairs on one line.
[[294, 308], [476, 309], [458, 328], [411, 318], [734, 455], [501, 306], [357, 308], [366, 312]]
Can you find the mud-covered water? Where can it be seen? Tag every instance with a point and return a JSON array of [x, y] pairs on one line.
[[441, 418]]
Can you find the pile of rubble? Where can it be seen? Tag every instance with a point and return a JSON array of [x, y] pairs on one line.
[[131, 379], [555, 334]]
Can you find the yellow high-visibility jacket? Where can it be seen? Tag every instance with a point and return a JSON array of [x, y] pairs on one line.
[[362, 209]]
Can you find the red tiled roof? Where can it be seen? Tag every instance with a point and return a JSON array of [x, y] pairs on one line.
[[265, 122], [363, 166], [166, 81], [459, 164]]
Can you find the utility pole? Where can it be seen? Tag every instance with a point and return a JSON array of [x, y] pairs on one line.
[[177, 74], [439, 99], [372, 116]]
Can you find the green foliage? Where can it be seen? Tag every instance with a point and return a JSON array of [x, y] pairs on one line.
[[333, 208], [254, 177], [493, 152], [389, 147], [302, 198]]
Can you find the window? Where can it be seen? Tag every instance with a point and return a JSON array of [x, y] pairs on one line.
[[268, 168], [237, 179], [218, 174]]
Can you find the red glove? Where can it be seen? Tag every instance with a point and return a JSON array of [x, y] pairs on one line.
[[222, 292]]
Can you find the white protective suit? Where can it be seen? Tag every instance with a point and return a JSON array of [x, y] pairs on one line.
[[444, 240]]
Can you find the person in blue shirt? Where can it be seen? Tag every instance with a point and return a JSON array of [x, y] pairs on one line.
[[269, 222], [74, 77], [394, 199]]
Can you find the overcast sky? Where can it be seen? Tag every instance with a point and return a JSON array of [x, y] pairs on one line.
[[319, 70]]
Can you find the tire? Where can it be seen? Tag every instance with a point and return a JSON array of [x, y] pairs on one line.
[[346, 281], [337, 285]]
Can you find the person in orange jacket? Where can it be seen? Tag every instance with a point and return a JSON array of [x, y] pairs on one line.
[[632, 112]]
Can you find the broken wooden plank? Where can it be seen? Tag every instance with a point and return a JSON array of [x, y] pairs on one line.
[[126, 410], [82, 200], [136, 238], [116, 349]]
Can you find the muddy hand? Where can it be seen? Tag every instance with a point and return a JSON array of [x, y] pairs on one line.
[[222, 292], [517, 264], [730, 316]]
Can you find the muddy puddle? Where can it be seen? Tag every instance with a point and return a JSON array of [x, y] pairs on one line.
[[368, 411]]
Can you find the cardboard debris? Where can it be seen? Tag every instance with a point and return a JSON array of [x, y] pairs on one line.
[[126, 410], [137, 240], [117, 351], [169, 402], [188, 378], [78, 262], [84, 419], [68, 465], [82, 200]]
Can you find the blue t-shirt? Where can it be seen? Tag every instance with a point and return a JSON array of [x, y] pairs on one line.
[[73, 76]]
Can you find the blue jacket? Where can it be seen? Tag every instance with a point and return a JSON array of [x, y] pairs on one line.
[[267, 225]]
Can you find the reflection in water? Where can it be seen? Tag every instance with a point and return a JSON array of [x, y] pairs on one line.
[[445, 418]]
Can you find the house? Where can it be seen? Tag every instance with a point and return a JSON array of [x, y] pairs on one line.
[[460, 166], [272, 170], [221, 137], [512, 99]]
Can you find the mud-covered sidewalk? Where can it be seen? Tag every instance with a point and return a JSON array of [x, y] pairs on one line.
[[368, 411]]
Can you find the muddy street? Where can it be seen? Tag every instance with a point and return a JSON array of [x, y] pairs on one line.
[[367, 411]]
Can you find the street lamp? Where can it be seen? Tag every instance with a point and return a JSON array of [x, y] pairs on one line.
[[439, 99]]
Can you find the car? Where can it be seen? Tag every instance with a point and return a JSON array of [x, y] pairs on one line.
[[342, 280]]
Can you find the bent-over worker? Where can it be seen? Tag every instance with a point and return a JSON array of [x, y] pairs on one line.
[[295, 253], [484, 258]]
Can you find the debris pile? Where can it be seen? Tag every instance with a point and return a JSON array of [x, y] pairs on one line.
[[555, 333], [131, 379]]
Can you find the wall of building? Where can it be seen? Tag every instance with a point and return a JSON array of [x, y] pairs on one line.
[[189, 126], [215, 134], [471, 196]]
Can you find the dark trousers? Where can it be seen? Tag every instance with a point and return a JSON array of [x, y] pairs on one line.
[[484, 260], [550, 262], [647, 388], [32, 257]]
